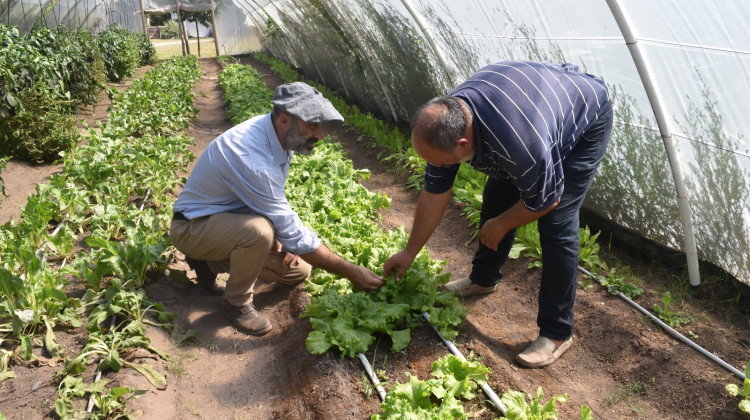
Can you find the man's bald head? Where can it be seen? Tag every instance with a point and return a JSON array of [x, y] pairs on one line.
[[440, 123]]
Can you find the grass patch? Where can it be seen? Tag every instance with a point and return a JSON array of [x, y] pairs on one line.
[[626, 394], [166, 48], [177, 365]]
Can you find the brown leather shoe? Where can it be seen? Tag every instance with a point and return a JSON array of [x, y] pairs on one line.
[[205, 277], [464, 287], [542, 352], [246, 319]]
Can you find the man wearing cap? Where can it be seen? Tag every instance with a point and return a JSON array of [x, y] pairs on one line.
[[233, 216]]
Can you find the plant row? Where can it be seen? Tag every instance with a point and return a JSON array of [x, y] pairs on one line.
[[100, 224], [46, 75]]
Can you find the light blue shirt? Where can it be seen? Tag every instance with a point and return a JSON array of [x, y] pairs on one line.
[[245, 171]]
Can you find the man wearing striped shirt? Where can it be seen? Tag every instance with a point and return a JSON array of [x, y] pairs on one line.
[[539, 131]]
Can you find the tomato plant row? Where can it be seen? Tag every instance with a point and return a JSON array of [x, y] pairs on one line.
[[48, 74]]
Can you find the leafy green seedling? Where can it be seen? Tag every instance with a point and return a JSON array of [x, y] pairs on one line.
[[743, 392], [518, 408], [673, 319], [615, 283]]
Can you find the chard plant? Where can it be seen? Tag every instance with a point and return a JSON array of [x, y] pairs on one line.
[[110, 402], [130, 306], [110, 348]]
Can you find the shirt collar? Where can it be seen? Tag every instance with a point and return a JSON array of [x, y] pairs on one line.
[[280, 155]]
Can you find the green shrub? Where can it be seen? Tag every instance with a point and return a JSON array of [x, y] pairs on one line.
[[41, 132], [87, 72], [171, 30], [146, 49], [45, 77], [121, 52]]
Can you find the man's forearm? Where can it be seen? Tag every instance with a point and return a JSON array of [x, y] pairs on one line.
[[519, 215], [328, 260], [429, 213]]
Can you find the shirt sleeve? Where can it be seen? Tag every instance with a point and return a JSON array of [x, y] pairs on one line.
[[541, 183], [438, 180], [262, 190]]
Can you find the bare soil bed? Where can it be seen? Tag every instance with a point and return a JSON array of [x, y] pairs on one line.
[[621, 365]]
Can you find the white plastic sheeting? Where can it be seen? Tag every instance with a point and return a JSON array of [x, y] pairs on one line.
[[92, 14], [390, 56]]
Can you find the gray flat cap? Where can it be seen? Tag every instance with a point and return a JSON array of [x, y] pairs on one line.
[[305, 102]]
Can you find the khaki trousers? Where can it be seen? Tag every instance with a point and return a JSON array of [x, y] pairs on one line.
[[238, 244]]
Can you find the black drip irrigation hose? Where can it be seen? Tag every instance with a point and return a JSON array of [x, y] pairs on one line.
[[672, 331]]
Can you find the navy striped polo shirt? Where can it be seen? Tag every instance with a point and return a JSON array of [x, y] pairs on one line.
[[527, 117]]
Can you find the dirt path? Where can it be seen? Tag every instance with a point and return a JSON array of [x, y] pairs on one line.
[[621, 365]]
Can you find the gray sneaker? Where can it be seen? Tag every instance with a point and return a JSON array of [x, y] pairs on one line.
[[246, 319], [542, 352], [464, 287]]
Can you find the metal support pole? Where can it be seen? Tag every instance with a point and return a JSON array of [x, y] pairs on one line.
[[367, 59], [686, 216], [143, 18], [215, 30], [430, 40]]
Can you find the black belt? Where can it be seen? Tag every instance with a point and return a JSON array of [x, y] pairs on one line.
[[179, 216]]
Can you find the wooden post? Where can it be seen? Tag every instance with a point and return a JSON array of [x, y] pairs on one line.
[[143, 18], [198, 37], [215, 31], [187, 38], [181, 28]]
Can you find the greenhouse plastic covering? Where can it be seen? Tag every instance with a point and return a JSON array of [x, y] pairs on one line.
[[678, 168]]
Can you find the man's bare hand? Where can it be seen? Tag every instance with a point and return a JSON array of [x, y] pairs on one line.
[[398, 264], [290, 260], [364, 279], [491, 234]]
